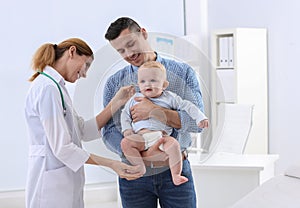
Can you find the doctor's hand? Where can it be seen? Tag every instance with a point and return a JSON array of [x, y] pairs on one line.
[[123, 95], [126, 171], [123, 170]]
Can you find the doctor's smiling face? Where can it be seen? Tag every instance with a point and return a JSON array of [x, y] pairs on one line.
[[77, 65], [83, 66], [133, 46]]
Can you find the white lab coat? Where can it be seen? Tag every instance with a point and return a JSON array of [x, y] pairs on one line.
[[56, 158]]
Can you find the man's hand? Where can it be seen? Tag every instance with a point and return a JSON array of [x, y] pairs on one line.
[[145, 109], [141, 111]]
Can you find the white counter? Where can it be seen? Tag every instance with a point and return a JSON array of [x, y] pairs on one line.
[[225, 178]]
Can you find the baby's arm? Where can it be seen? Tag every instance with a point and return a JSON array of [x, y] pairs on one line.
[[126, 120], [193, 111]]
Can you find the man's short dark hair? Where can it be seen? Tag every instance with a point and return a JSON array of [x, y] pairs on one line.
[[119, 25]]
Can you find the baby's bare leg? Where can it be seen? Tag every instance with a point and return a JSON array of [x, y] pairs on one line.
[[132, 146], [172, 148]]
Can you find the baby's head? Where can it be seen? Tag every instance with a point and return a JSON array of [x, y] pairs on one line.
[[152, 79]]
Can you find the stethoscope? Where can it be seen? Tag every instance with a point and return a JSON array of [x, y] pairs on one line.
[[60, 91]]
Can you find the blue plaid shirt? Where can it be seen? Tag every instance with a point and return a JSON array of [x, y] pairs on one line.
[[183, 82]]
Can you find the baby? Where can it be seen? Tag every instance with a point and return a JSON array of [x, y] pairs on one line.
[[139, 136]]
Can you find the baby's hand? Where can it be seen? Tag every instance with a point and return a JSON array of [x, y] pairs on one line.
[[203, 124], [128, 132]]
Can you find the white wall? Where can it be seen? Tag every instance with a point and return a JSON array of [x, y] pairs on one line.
[[281, 20], [25, 25]]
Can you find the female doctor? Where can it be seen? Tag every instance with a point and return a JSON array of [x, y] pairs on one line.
[[56, 158]]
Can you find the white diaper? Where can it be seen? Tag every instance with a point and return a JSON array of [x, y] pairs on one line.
[[152, 137]]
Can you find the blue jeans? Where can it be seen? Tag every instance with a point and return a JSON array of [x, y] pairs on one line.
[[144, 192]]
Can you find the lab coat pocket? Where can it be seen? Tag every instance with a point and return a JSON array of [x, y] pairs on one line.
[[57, 188]]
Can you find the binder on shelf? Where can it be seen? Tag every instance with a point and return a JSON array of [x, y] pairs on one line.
[[223, 51], [230, 51], [226, 51]]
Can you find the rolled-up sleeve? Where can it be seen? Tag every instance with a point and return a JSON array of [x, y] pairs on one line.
[[89, 129]]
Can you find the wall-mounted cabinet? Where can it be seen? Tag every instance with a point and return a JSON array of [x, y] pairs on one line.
[[239, 76]]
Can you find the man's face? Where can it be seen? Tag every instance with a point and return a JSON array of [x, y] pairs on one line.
[[133, 47]]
